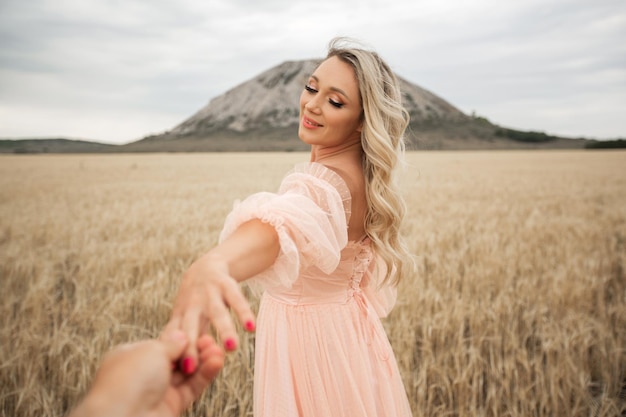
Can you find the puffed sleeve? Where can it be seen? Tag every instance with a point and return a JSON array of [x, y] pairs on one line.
[[310, 213]]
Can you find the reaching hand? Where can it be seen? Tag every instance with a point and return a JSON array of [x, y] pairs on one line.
[[206, 293], [210, 287], [138, 379]]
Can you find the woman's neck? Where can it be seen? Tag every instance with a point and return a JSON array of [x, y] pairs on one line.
[[342, 152]]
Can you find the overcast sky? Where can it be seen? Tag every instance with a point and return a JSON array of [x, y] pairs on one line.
[[117, 70]]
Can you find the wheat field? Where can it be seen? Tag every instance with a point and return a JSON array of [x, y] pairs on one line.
[[518, 306]]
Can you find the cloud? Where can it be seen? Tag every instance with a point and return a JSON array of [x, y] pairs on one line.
[[524, 63]]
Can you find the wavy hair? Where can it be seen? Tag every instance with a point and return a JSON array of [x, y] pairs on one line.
[[382, 139]]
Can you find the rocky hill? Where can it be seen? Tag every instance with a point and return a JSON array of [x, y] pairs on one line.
[[262, 114], [271, 101]]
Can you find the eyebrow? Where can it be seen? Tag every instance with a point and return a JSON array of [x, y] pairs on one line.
[[335, 89]]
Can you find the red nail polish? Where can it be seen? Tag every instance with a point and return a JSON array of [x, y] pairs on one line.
[[250, 326], [230, 344], [188, 366]]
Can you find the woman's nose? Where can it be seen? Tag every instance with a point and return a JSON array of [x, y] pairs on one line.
[[312, 105]]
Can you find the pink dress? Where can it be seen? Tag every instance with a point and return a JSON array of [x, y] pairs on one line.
[[321, 350]]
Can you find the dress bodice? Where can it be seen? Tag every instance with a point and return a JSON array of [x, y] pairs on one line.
[[314, 286], [316, 263]]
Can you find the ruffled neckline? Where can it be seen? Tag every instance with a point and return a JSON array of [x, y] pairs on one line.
[[324, 173]]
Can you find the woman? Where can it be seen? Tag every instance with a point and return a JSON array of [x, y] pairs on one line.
[[327, 250]]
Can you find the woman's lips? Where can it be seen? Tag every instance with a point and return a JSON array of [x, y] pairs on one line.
[[310, 123]]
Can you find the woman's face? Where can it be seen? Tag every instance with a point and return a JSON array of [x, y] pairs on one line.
[[330, 106]]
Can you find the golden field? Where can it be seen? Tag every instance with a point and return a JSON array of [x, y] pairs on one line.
[[518, 307]]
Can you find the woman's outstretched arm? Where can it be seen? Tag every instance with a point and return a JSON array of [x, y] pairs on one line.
[[211, 286]]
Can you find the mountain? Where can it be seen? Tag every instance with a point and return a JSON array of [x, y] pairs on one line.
[[53, 145], [262, 115], [271, 101]]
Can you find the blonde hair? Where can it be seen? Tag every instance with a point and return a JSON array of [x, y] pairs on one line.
[[382, 140]]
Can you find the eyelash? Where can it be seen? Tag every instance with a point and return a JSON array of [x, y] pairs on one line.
[[334, 103]]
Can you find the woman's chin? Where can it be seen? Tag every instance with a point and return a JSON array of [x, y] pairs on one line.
[[303, 136]]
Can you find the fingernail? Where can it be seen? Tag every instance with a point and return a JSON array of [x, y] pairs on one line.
[[250, 326], [188, 366], [230, 344]]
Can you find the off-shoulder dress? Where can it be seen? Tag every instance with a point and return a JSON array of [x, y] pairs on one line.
[[320, 350]]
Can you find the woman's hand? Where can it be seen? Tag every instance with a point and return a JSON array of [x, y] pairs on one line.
[[210, 287], [206, 293], [138, 380]]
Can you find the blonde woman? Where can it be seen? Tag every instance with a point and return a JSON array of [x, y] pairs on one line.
[[327, 250]]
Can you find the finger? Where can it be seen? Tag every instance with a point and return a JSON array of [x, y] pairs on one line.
[[240, 305], [205, 341], [175, 343], [173, 325], [211, 358], [191, 327], [220, 318], [212, 362]]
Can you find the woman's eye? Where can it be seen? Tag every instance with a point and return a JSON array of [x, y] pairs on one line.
[[335, 103], [312, 90]]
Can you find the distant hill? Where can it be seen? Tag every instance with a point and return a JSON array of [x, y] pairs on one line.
[[262, 115], [53, 145]]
